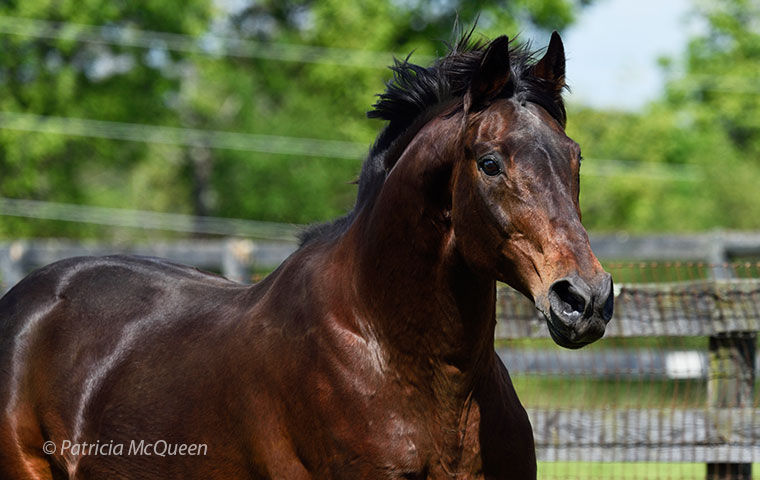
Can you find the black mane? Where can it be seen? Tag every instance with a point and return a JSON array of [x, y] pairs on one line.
[[415, 94]]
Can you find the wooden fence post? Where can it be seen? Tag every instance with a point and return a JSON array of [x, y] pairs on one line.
[[731, 372], [730, 384], [12, 267], [236, 259]]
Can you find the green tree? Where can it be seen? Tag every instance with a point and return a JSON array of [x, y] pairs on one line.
[[113, 80], [719, 102], [695, 154], [322, 100], [65, 78]]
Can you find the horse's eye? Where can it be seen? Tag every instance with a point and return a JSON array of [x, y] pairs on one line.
[[489, 165]]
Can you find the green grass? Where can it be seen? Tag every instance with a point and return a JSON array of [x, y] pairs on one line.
[[625, 471], [612, 343], [579, 392], [637, 271], [656, 272]]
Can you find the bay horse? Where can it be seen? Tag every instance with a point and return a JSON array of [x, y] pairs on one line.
[[369, 353]]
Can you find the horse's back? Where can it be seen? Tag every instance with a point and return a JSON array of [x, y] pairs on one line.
[[84, 334], [85, 295]]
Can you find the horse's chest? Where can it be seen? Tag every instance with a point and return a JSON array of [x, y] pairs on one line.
[[388, 445], [437, 446], [403, 446]]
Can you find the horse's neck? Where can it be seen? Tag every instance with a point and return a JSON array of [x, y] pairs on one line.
[[426, 306], [432, 313]]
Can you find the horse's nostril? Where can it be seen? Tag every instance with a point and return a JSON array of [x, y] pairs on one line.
[[566, 300], [609, 303]]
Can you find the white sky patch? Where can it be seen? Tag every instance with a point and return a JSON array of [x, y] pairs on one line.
[[613, 50]]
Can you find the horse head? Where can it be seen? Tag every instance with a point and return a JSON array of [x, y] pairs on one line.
[[515, 193]]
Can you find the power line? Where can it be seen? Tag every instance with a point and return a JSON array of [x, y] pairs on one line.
[[182, 136], [287, 145], [684, 172], [725, 84], [219, 46], [207, 45], [142, 219]]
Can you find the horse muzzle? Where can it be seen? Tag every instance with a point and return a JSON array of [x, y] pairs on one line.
[[577, 312]]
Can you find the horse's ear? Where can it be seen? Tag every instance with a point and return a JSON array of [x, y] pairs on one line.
[[551, 68], [492, 75]]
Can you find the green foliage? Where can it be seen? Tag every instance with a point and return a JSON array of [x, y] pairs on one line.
[[687, 162], [157, 86], [705, 133], [61, 78]]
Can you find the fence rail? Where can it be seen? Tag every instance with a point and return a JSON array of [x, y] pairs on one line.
[[643, 364], [232, 257], [647, 435], [19, 257]]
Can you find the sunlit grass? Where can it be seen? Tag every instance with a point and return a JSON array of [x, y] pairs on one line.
[[578, 392], [625, 471]]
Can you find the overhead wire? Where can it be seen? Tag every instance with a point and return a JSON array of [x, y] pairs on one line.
[[227, 46], [151, 220], [182, 136], [210, 45], [207, 45], [660, 171], [282, 145]]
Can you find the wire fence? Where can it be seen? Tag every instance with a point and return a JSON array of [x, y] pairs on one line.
[[669, 393]]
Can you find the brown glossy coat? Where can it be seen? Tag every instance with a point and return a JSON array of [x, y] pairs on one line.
[[367, 354]]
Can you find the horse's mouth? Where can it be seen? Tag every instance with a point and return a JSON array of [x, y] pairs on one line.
[[561, 337]]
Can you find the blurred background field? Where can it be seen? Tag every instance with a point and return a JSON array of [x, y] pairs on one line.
[[211, 132]]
